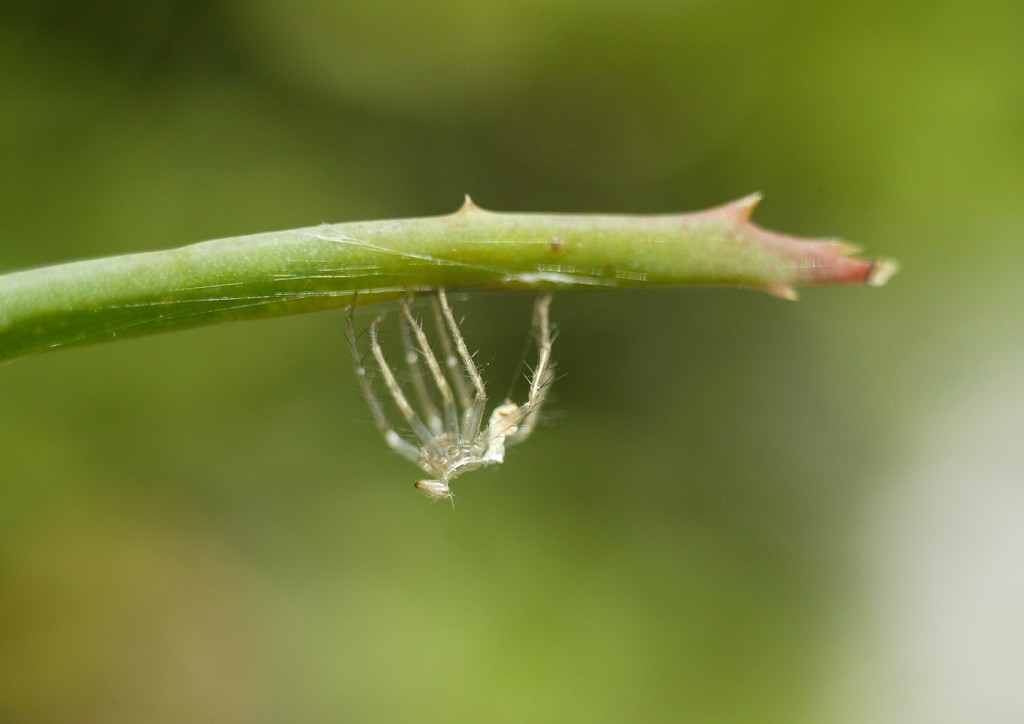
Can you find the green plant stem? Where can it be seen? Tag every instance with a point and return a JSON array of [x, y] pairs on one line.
[[304, 270]]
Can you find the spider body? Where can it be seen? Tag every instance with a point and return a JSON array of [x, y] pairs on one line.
[[447, 417]]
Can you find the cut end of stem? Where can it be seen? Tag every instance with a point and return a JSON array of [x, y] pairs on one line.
[[882, 270]]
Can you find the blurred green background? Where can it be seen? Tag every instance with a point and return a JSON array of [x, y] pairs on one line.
[[739, 510]]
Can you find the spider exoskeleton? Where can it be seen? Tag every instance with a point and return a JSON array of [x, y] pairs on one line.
[[447, 425]]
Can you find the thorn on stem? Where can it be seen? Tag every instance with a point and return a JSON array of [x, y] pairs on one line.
[[782, 291], [468, 207], [741, 209]]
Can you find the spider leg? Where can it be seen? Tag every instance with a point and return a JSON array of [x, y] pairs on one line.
[[412, 361], [451, 413], [394, 440], [422, 432], [451, 362], [474, 412], [525, 418]]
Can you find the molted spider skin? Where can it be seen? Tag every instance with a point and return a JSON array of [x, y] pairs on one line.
[[447, 438]]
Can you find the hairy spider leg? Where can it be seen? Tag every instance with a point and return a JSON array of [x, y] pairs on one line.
[[451, 414], [451, 362], [412, 361], [421, 431], [474, 413], [394, 440], [525, 418]]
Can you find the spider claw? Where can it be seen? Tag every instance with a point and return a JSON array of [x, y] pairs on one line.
[[433, 489]]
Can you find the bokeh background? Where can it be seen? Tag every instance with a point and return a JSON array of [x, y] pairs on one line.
[[738, 510]]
